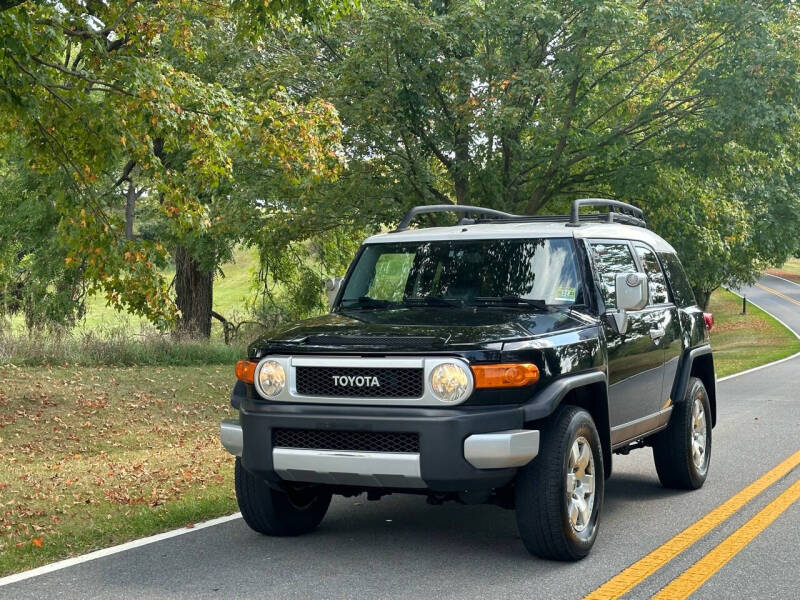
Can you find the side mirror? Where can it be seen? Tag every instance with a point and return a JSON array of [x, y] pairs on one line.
[[632, 294], [332, 285]]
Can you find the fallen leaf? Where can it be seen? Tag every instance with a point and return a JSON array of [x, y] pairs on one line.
[[38, 541]]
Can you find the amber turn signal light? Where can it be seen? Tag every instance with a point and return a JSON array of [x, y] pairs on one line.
[[504, 375], [245, 370]]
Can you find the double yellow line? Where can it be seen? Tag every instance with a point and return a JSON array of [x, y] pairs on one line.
[[704, 568], [777, 293]]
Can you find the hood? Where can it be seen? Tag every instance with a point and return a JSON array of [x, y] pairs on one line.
[[412, 329]]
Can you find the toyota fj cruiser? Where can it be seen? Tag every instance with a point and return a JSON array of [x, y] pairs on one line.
[[502, 360]]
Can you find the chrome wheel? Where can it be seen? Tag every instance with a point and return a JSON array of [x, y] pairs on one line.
[[699, 434], [580, 484]]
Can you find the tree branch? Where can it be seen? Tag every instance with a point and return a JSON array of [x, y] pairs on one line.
[[7, 4]]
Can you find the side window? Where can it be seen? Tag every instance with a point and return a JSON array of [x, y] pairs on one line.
[[609, 260], [681, 288], [655, 277], [391, 274]]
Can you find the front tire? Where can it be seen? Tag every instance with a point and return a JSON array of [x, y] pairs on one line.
[[559, 494], [682, 452], [278, 513]]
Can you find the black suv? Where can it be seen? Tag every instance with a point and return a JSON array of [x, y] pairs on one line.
[[502, 360]]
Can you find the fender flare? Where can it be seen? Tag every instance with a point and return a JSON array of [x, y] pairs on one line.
[[543, 404], [684, 373]]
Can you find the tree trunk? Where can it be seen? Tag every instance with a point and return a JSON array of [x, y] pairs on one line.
[[461, 167], [703, 298], [130, 210], [194, 292]]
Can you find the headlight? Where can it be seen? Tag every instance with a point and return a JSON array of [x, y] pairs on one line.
[[271, 379], [449, 382]]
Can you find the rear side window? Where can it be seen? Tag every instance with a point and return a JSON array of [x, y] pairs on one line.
[[681, 289], [655, 277], [609, 260]]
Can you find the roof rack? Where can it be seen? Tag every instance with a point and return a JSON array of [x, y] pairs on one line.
[[630, 214], [626, 214], [456, 208]]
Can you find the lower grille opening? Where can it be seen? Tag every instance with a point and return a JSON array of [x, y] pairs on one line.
[[362, 441]]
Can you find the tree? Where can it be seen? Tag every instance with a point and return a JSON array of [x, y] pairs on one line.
[[117, 99], [525, 105]]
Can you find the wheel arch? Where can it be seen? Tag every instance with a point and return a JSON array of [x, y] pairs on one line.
[[697, 362], [586, 390]]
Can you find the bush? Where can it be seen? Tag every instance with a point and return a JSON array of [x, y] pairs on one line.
[[113, 346]]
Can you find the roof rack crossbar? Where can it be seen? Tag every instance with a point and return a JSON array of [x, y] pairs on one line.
[[624, 209], [618, 217], [455, 208]]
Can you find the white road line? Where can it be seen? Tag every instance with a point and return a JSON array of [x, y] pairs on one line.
[[783, 279], [71, 562], [772, 364]]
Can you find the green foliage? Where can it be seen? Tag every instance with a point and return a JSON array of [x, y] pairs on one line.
[[688, 109], [124, 100], [295, 261], [34, 279], [217, 124]]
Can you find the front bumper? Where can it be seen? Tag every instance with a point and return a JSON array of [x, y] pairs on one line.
[[459, 449]]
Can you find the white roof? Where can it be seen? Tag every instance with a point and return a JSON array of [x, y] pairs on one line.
[[530, 229]]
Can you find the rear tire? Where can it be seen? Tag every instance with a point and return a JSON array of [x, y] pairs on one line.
[[278, 513], [682, 452], [559, 494]]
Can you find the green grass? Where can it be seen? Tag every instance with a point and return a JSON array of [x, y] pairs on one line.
[[742, 342], [98, 456]]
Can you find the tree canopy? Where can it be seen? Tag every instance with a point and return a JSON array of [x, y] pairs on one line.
[[688, 109], [134, 133], [119, 102]]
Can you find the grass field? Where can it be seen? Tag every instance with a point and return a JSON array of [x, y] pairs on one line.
[[790, 271], [94, 456], [744, 341]]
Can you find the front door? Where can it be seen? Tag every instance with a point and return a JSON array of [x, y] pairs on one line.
[[666, 328], [635, 358]]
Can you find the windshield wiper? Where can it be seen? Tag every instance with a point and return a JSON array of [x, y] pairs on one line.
[[365, 302], [430, 301], [511, 301]]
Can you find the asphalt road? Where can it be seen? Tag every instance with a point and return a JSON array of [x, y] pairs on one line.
[[400, 547]]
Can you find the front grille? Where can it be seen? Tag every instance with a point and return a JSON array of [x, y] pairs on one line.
[[354, 382], [363, 441]]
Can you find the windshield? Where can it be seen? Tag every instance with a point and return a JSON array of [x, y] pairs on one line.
[[518, 272]]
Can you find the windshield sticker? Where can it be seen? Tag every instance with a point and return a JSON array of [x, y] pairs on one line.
[[564, 292]]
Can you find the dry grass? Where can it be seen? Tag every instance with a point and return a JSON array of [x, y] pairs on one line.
[[92, 457], [790, 271]]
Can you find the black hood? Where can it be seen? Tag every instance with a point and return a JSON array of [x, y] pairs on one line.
[[411, 329]]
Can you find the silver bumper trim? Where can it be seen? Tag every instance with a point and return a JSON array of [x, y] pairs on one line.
[[230, 433], [502, 449], [381, 469]]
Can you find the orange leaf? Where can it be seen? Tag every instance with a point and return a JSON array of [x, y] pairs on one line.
[[38, 541]]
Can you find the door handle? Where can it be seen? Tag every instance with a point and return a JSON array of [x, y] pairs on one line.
[[657, 334]]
